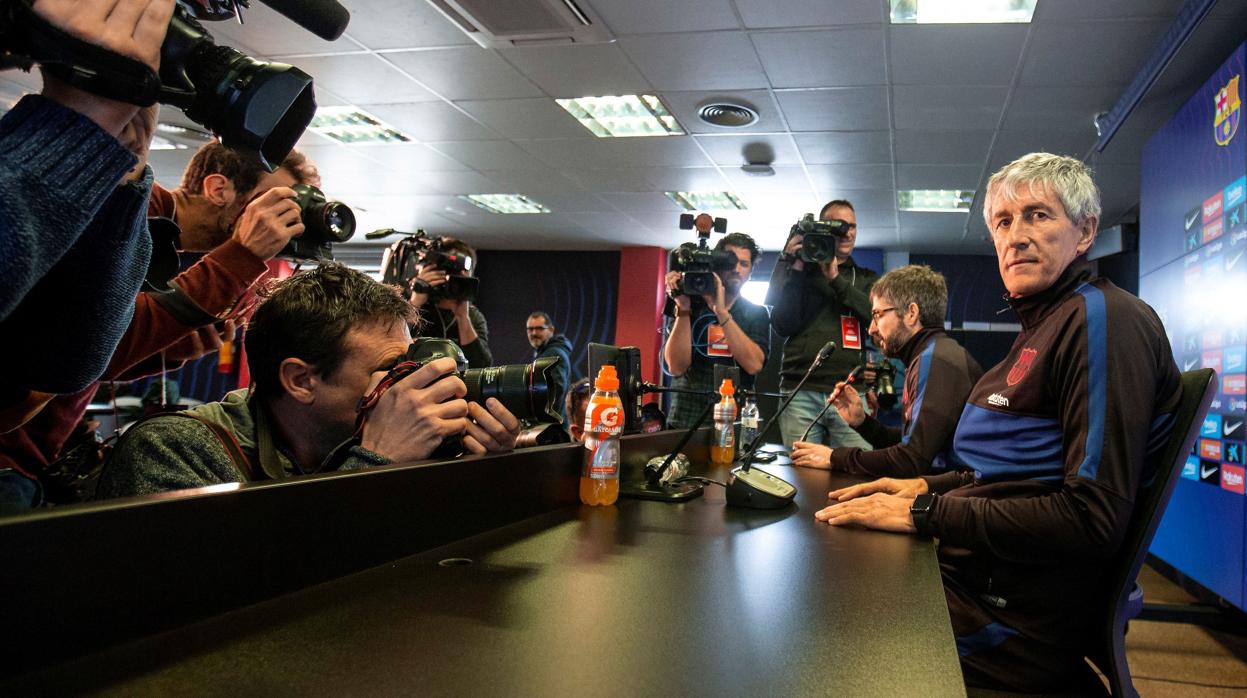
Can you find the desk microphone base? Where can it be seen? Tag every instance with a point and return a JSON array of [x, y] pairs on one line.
[[679, 492], [758, 489]]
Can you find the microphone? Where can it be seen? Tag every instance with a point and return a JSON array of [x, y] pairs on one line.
[[324, 18], [823, 355], [380, 233]]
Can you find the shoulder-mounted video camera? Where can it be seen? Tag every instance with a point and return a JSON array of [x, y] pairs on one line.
[[254, 107], [820, 238], [401, 260], [696, 260]]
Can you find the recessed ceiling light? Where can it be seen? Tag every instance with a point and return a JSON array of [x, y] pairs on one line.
[[623, 116], [506, 203], [935, 200], [706, 200], [352, 125], [962, 11]]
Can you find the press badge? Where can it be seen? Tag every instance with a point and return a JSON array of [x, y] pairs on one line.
[[850, 332], [716, 342]]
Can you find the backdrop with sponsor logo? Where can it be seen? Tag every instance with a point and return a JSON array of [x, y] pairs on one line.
[[1192, 240]]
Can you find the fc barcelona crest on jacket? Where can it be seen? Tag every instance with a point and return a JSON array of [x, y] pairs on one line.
[[1018, 372]]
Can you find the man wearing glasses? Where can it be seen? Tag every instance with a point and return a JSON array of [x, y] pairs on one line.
[[545, 343], [907, 323], [814, 304]]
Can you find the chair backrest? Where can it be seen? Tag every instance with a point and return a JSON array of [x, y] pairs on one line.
[[1198, 389]]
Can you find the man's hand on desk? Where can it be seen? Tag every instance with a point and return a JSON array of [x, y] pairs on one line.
[[811, 455], [882, 504]]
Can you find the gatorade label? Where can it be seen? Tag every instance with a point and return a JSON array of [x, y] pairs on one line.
[[604, 416]]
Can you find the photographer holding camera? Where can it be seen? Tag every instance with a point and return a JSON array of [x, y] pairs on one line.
[[818, 295], [322, 340], [717, 328], [444, 311]]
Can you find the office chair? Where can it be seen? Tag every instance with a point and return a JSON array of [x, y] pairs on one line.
[[1125, 598]]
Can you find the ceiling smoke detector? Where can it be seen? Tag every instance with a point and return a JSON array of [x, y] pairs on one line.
[[727, 115]]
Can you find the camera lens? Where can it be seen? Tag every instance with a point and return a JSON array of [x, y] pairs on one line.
[[339, 221], [524, 389]]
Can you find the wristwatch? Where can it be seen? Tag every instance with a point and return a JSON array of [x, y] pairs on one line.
[[920, 510]]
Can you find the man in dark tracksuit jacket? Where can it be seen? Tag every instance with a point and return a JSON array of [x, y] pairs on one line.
[[907, 321], [1052, 446]]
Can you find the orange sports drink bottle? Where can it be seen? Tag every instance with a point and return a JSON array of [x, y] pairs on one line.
[[723, 450], [599, 479]]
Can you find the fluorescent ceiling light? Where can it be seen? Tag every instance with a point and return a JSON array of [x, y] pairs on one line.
[[353, 125], [706, 200], [962, 11], [623, 116], [937, 200], [506, 203]]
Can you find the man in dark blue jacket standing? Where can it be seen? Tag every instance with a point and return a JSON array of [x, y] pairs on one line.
[[540, 329]]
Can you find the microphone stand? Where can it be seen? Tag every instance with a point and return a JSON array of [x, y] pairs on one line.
[[653, 487]]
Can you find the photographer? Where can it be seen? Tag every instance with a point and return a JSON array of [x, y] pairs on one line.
[[454, 319], [813, 303], [321, 340], [907, 322], [73, 183], [723, 328]]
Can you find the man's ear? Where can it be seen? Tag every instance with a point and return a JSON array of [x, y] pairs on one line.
[[217, 189], [1086, 233], [299, 379], [913, 315]]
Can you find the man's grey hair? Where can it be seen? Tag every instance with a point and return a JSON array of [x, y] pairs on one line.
[[1064, 176], [915, 284]]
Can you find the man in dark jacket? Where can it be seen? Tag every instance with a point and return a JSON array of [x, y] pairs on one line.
[[540, 329], [814, 303], [1051, 447], [907, 323]]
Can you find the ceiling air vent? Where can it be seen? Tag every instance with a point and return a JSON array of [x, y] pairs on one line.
[[510, 23], [727, 115]]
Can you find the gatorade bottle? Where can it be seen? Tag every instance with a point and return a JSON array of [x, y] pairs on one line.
[[599, 479], [723, 450], [750, 421]]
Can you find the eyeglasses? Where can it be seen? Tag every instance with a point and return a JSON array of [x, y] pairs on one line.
[[876, 314], [538, 328]]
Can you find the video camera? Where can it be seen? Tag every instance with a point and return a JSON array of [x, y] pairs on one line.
[[324, 223], [697, 261], [820, 238], [885, 391], [254, 107], [400, 260]]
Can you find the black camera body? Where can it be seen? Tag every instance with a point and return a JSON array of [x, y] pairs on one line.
[[325, 222], [697, 261], [400, 262], [254, 107], [819, 238], [522, 388], [885, 391]]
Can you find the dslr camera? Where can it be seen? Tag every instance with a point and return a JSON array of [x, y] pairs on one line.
[[254, 107], [400, 261], [696, 260], [885, 391], [820, 237], [324, 223]]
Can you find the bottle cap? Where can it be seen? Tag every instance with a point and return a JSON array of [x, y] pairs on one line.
[[607, 378], [727, 388]]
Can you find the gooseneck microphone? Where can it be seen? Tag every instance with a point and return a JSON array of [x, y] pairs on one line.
[[746, 456], [324, 18]]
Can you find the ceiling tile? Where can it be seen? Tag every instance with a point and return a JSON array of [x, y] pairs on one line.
[[866, 199], [356, 190], [936, 147], [363, 79], [734, 151], [938, 176], [756, 191], [975, 54], [943, 225], [1058, 10], [469, 72], [579, 71], [701, 61], [462, 183], [339, 160], [833, 178], [527, 118], [1041, 107], [758, 14], [265, 32], [382, 24], [637, 202], [840, 109], [842, 57], [1076, 53], [625, 152], [496, 155], [658, 16], [874, 220], [430, 121], [536, 181], [619, 179], [574, 202], [933, 107], [684, 106], [1011, 145], [837, 147], [684, 179], [411, 157]]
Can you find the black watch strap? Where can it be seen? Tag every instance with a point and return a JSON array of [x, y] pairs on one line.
[[920, 510]]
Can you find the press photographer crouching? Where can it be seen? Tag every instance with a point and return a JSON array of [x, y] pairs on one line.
[[321, 341]]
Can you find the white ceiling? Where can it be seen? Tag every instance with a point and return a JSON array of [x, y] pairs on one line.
[[850, 107]]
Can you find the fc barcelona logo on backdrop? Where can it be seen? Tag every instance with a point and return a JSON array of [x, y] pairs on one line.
[[1018, 372], [1229, 108]]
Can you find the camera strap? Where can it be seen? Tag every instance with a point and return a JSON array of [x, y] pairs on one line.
[[79, 63], [369, 401]]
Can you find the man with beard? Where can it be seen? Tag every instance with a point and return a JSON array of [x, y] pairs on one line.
[[723, 328], [545, 343], [907, 323]]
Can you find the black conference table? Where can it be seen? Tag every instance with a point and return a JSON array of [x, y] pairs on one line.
[[524, 594]]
